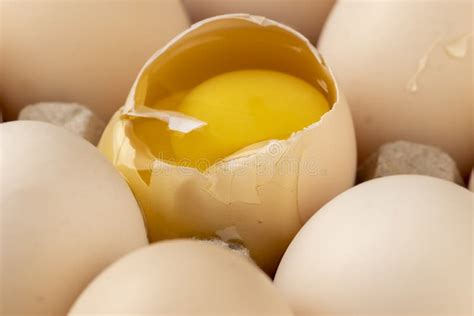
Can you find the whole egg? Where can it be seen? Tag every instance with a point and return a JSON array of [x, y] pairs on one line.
[[398, 245], [306, 16], [66, 214], [84, 52], [182, 277], [406, 70]]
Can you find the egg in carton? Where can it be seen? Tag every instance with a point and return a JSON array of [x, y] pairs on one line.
[[259, 196]]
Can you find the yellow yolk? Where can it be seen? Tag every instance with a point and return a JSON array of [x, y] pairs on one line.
[[242, 108]]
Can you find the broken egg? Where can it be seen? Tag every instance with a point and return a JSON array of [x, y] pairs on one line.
[[406, 69], [254, 100]]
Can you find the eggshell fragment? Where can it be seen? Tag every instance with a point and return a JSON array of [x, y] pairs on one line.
[[234, 247], [80, 51], [181, 277], [305, 16], [66, 214], [406, 70], [75, 117], [263, 193], [409, 158], [398, 245]]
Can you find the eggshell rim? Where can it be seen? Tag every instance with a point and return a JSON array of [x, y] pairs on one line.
[[129, 107]]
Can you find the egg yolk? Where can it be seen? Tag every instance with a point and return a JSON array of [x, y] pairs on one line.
[[242, 108]]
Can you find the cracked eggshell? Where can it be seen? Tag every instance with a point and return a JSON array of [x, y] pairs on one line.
[[398, 245], [261, 195], [86, 52], [181, 277], [410, 77], [66, 214]]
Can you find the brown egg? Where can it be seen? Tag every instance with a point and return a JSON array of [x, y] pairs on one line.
[[406, 69], [306, 16], [87, 52]]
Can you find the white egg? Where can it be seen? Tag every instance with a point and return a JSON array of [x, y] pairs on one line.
[[306, 16], [261, 194], [399, 245], [84, 52], [406, 69], [182, 277], [66, 214]]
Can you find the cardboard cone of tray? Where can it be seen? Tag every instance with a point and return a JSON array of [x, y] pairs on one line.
[[73, 116], [404, 157]]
